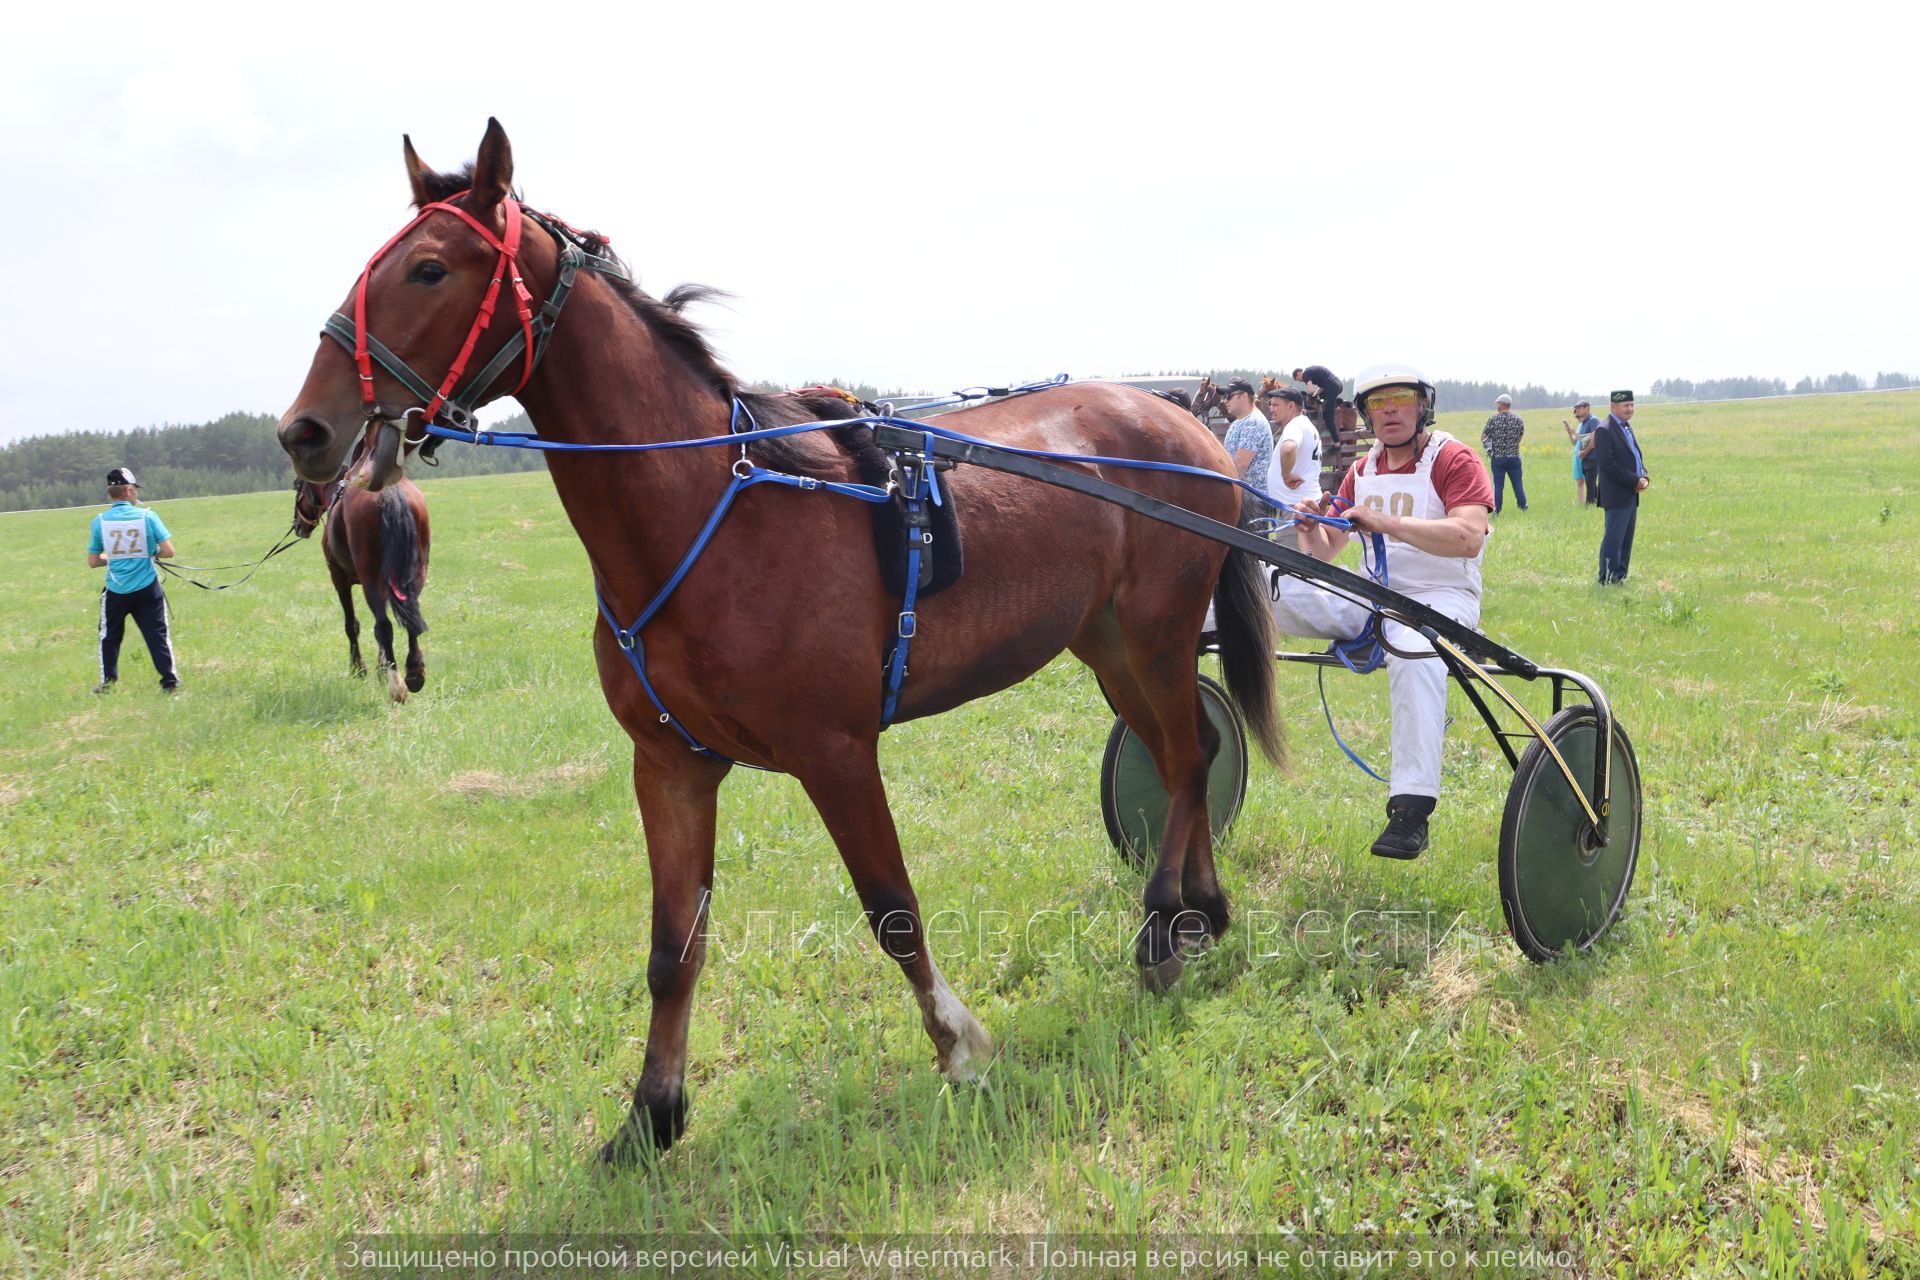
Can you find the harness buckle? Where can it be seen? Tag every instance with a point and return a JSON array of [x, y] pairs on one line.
[[624, 639], [742, 466], [909, 624]]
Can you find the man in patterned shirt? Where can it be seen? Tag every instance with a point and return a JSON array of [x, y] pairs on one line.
[[1249, 440], [1500, 439]]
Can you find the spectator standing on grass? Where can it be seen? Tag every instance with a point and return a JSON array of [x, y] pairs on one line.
[[1586, 489], [1500, 440], [1622, 472], [1294, 474], [127, 541], [1249, 440]]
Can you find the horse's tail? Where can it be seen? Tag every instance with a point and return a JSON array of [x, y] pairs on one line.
[[400, 561], [1246, 649]]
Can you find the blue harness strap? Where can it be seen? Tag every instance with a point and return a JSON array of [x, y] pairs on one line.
[[745, 475], [1361, 654], [921, 489]]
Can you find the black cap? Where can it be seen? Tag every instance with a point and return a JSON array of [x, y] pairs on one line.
[[1621, 397], [1292, 395], [1239, 384], [121, 475]]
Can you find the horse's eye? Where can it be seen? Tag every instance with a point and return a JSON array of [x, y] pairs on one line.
[[429, 272]]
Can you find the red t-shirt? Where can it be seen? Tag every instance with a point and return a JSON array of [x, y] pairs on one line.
[[1458, 477]]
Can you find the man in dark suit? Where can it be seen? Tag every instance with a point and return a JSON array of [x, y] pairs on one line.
[[1621, 471]]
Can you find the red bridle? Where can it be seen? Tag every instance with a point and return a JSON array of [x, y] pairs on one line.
[[507, 267]]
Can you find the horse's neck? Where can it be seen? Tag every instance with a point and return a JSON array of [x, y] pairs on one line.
[[607, 380]]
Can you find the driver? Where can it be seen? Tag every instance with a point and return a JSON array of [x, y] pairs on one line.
[[1428, 493]]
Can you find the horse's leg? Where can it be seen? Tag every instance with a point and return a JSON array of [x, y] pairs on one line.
[[383, 639], [343, 587], [677, 805], [1200, 886], [416, 663], [1152, 686], [844, 785]]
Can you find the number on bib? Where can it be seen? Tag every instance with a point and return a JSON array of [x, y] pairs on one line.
[[124, 539]]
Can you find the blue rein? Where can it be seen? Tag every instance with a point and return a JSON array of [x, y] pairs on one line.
[[918, 486]]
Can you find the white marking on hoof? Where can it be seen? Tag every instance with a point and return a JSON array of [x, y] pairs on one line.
[[396, 687], [964, 1046]]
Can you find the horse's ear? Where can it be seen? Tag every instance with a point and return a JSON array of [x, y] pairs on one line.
[[417, 174], [493, 170]]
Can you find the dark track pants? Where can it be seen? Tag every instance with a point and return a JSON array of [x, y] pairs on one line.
[[148, 608], [1502, 468], [1616, 542]]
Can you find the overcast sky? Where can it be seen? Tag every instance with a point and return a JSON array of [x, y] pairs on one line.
[[1584, 196]]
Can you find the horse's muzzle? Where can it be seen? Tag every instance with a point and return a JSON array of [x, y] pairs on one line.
[[314, 447]]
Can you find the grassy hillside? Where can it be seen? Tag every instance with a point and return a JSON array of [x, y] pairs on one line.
[[284, 962]]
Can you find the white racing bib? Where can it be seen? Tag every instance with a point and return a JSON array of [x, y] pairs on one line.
[[1412, 494], [125, 539]]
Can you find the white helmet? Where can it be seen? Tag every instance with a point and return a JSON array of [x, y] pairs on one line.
[[1394, 375]]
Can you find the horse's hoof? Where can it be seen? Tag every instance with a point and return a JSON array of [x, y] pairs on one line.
[[416, 681], [643, 1139], [1159, 978], [358, 670], [396, 689], [966, 1062]]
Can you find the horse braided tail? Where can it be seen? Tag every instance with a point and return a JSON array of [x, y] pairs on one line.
[[401, 571], [1246, 648]]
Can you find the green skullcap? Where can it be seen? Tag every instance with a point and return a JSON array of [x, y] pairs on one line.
[[1621, 397]]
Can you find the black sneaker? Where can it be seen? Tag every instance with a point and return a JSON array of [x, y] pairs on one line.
[[105, 686], [1406, 833]]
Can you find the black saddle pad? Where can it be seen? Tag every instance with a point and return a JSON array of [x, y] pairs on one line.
[[890, 518], [890, 542]]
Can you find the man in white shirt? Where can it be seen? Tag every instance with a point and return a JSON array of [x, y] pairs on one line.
[[1294, 474]]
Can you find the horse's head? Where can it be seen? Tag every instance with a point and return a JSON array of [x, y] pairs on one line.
[[415, 339]]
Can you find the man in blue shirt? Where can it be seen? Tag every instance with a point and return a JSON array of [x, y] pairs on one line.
[[1622, 475], [127, 539]]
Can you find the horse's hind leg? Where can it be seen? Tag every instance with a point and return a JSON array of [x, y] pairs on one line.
[[1151, 684], [416, 663], [845, 787], [383, 641], [677, 809], [343, 586]]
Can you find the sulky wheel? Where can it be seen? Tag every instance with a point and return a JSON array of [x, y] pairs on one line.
[[1134, 802], [1556, 885]]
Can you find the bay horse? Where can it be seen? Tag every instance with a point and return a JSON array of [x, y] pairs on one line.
[[379, 541], [769, 652]]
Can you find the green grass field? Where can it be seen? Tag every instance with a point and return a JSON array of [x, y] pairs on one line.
[[284, 962]]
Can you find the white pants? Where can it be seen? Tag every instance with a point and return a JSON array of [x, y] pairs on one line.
[[1417, 687]]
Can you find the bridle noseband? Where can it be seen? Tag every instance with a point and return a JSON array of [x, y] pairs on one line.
[[576, 251]]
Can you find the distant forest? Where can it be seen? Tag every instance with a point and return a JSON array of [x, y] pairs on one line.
[[238, 453]]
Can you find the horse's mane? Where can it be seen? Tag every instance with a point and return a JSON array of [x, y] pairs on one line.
[[667, 320]]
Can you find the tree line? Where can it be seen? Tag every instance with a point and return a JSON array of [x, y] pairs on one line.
[[233, 454], [1747, 388]]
